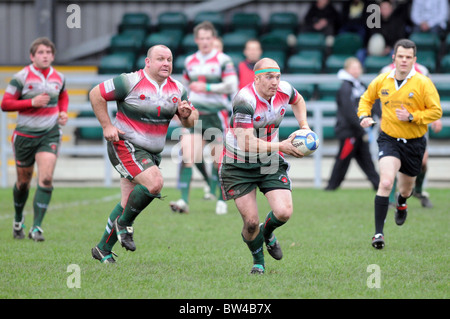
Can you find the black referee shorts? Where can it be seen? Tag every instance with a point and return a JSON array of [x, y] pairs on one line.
[[410, 152]]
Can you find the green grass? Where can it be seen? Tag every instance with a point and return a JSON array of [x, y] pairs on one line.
[[201, 255]]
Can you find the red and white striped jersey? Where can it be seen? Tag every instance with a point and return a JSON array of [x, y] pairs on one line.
[[144, 109], [25, 85]]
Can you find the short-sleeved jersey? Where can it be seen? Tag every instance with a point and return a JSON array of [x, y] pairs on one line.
[[417, 94], [250, 110], [144, 109], [212, 68], [28, 83]]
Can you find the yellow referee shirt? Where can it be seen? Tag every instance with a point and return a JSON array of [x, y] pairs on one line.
[[417, 94]]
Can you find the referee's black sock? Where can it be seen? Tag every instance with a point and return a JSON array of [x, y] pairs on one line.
[[381, 210], [402, 200]]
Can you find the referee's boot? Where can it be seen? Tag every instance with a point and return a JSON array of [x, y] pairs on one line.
[[378, 241], [125, 235], [401, 212]]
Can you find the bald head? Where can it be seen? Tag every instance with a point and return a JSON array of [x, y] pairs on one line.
[[266, 63], [156, 48]]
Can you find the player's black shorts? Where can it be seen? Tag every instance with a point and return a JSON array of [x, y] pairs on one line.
[[410, 152]]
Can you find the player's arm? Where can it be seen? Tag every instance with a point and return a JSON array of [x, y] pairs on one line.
[[12, 103], [100, 108], [366, 103], [248, 142], [63, 105]]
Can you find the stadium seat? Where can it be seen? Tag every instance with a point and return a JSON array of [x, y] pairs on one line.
[[235, 41], [178, 64], [445, 64], [447, 43], [140, 61], [335, 62], [278, 56], [246, 21], [444, 134], [327, 91], [162, 38], [172, 21], [121, 43], [310, 41], [134, 20], [284, 21], [304, 63], [347, 43], [374, 64], [273, 42], [428, 59], [87, 132], [117, 63], [216, 18], [305, 89], [425, 41], [188, 45]]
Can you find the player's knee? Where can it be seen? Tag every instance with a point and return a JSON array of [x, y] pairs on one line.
[[22, 186], [155, 186], [386, 184], [283, 214], [251, 226], [47, 181]]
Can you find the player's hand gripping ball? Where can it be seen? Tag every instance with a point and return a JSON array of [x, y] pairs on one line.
[[306, 141]]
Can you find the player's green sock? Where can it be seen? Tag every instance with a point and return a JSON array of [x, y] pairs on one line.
[[270, 224], [109, 238], [202, 169], [138, 199], [20, 198], [185, 182], [40, 203], [256, 248]]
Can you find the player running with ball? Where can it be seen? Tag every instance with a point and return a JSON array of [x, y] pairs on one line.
[[253, 157]]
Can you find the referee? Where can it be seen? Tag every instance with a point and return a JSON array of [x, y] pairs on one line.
[[409, 102]]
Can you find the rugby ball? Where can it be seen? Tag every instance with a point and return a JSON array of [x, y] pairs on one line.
[[306, 141]]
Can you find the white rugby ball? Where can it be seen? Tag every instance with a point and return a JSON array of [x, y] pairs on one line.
[[306, 141]]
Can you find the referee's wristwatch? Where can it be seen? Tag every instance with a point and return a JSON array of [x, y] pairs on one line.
[[410, 117]]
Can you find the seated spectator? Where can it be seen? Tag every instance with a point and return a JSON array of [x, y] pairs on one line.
[[391, 29], [322, 17], [429, 15], [252, 53], [354, 16]]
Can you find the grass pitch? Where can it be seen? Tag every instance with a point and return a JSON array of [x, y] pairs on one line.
[[326, 245]]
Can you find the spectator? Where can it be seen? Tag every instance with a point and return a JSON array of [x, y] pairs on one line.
[[353, 139], [322, 17], [354, 17], [252, 52], [429, 15]]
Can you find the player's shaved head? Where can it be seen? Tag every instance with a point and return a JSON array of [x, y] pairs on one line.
[[266, 63]]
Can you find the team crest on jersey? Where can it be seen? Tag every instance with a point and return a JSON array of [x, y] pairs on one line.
[[283, 179], [385, 92], [258, 118], [283, 110]]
